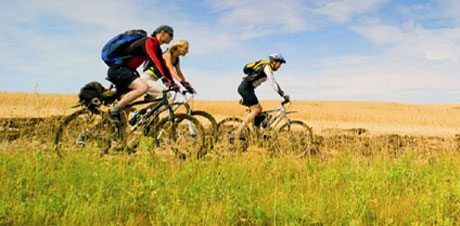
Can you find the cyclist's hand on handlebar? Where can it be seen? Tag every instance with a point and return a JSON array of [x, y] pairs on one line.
[[190, 90], [188, 87], [166, 82], [174, 87], [170, 84], [286, 99]]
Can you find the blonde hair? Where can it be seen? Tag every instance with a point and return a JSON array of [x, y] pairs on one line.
[[180, 43]]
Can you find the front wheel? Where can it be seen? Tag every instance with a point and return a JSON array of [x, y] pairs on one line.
[[183, 136], [209, 126], [294, 139]]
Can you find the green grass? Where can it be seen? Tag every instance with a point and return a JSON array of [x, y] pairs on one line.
[[347, 189]]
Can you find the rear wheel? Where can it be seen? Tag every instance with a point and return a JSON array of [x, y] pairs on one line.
[[183, 136], [81, 129], [226, 140], [294, 139]]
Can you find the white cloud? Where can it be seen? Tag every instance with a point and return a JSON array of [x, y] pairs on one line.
[[439, 44], [384, 77], [344, 10], [451, 8], [210, 86], [415, 64], [262, 17], [434, 44]]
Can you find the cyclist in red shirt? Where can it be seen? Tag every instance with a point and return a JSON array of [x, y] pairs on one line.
[[127, 79]]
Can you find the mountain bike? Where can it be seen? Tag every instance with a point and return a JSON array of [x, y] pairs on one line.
[[91, 127], [271, 129], [208, 122]]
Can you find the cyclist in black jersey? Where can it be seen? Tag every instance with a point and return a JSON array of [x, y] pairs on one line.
[[252, 81]]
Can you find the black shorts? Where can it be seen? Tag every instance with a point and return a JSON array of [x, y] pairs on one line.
[[122, 77], [246, 90]]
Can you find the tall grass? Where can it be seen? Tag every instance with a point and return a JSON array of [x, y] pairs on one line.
[[248, 189]]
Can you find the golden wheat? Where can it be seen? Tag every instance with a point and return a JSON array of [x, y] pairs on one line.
[[323, 116]]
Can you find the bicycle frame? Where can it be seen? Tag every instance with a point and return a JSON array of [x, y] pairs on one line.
[[182, 101], [154, 110], [273, 122]]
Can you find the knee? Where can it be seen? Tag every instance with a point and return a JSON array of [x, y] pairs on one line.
[[257, 110]]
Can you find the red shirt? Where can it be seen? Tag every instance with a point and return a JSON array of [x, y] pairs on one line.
[[147, 49]]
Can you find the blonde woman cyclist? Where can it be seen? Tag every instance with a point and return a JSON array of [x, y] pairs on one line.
[[151, 73]]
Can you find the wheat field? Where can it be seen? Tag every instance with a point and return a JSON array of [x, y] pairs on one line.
[[323, 116]]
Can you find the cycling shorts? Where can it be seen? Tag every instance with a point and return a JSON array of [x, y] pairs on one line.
[[247, 91], [122, 77]]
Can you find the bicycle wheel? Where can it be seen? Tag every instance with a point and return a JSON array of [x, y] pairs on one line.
[[293, 139], [227, 143], [131, 140], [83, 129], [183, 136], [209, 125]]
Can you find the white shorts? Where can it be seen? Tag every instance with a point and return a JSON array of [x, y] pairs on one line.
[[155, 87]]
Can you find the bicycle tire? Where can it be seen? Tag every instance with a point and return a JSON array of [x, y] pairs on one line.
[[82, 129], [227, 143], [228, 125], [175, 136], [294, 139], [209, 124]]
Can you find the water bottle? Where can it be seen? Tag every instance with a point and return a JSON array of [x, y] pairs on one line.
[[133, 120]]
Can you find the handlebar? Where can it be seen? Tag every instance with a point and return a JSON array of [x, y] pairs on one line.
[[170, 89], [285, 102], [185, 92]]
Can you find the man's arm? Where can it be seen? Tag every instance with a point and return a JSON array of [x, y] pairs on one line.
[[273, 82], [153, 48]]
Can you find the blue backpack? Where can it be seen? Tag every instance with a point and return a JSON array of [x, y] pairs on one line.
[[112, 53]]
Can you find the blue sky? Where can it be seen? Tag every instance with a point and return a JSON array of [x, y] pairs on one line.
[[373, 50]]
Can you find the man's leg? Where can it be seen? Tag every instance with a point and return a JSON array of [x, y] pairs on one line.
[[255, 110], [138, 88]]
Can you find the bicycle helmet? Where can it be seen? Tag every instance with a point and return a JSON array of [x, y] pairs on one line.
[[277, 57], [165, 28]]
